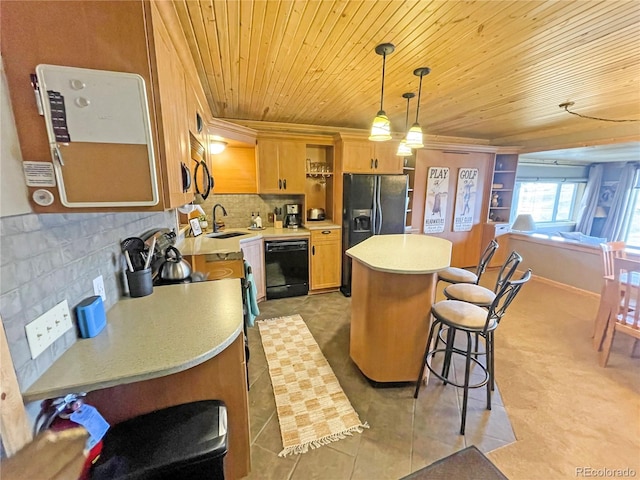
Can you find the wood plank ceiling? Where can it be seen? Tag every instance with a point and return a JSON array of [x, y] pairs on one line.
[[499, 69]]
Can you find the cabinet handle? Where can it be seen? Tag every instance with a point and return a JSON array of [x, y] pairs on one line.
[[326, 232], [279, 184], [313, 250], [284, 183], [186, 177], [372, 163], [376, 163]]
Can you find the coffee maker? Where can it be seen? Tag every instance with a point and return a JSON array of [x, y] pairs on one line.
[[293, 215]]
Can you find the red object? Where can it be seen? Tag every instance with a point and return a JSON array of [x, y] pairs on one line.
[[64, 424]]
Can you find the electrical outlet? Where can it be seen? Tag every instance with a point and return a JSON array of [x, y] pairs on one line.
[[48, 327], [271, 217], [98, 288]]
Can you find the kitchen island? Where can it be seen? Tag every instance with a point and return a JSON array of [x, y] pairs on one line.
[[393, 285], [180, 344]]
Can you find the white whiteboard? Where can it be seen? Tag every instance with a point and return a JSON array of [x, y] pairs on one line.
[[101, 106]]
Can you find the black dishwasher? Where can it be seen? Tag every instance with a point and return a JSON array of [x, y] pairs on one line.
[[286, 268]]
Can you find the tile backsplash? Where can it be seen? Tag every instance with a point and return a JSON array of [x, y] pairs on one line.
[[240, 206], [48, 258]]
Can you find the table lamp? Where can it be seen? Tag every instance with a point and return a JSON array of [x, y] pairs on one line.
[[600, 213], [524, 223]]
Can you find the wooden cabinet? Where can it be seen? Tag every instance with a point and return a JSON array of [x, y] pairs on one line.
[[172, 92], [253, 251], [113, 36], [320, 186], [325, 255], [281, 166], [364, 156], [496, 231], [504, 180]]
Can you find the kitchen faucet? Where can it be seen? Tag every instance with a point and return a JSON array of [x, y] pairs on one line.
[[224, 214]]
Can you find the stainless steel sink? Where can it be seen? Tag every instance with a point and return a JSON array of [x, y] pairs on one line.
[[223, 235]]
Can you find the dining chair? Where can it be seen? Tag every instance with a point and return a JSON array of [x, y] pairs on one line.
[[465, 317], [608, 253], [460, 275], [625, 316]]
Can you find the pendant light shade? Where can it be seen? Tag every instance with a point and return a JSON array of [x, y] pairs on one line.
[[404, 150], [414, 135], [381, 127]]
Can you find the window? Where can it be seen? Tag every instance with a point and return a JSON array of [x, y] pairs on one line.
[[632, 237], [547, 201]]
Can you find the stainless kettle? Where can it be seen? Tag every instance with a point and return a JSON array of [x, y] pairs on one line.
[[174, 268]]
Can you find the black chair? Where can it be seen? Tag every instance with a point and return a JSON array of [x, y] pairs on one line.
[[468, 318], [460, 275], [482, 296]]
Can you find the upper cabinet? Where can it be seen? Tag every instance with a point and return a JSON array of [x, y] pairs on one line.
[[504, 180], [172, 106], [364, 156], [128, 37], [281, 165]]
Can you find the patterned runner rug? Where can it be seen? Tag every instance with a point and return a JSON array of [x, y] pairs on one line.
[[312, 408]]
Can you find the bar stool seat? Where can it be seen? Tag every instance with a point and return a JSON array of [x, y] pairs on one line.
[[470, 293], [462, 315], [479, 295], [457, 275]]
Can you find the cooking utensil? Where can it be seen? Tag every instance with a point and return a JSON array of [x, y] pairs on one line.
[[152, 249], [128, 258], [136, 247], [174, 267]]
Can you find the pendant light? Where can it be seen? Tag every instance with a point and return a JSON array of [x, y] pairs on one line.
[[404, 150], [414, 135], [381, 127]]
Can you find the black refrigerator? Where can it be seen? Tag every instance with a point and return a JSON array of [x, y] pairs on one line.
[[372, 205]]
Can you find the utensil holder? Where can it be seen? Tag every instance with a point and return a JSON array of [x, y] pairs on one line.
[[140, 282]]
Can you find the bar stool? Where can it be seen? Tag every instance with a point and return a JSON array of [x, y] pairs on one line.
[[460, 275], [482, 296], [183, 441], [468, 318]]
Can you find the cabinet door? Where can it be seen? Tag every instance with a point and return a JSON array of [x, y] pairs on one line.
[[385, 159], [325, 259], [173, 114], [291, 157], [268, 169], [357, 157], [254, 254]]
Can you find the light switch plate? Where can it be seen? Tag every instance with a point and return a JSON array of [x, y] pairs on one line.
[[98, 287], [48, 327]]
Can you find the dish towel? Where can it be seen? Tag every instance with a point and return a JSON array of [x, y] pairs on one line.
[[252, 295]]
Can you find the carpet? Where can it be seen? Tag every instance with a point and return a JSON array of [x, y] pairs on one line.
[[312, 408], [467, 464]]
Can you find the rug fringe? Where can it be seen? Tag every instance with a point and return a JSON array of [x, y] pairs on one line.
[[320, 442]]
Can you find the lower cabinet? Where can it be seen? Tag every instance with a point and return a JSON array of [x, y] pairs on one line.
[[253, 251], [325, 254]]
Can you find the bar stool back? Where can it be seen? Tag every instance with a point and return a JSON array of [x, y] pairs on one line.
[[468, 318], [460, 275]]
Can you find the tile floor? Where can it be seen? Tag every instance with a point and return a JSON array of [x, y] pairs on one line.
[[404, 434]]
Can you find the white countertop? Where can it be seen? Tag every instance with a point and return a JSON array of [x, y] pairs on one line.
[[202, 244], [403, 253], [171, 330]]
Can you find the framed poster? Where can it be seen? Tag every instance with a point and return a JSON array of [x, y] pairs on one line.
[[435, 208], [465, 199]]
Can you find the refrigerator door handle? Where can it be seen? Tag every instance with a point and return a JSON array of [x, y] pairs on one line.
[[378, 194], [374, 211]]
